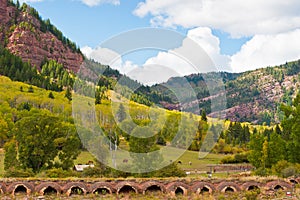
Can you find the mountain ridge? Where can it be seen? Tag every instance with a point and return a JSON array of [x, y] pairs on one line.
[[252, 96], [25, 34]]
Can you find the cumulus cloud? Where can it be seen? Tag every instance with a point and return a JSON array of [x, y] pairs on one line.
[[239, 18], [92, 3], [210, 44], [199, 53], [108, 57], [267, 50], [29, 1]]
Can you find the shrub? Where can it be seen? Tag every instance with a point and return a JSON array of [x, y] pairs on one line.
[[252, 195], [263, 171], [289, 171], [92, 172], [279, 166], [18, 173], [58, 173], [238, 158]]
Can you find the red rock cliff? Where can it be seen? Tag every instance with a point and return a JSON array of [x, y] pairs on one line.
[[21, 34]]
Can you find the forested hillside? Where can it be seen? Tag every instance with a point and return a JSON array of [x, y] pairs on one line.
[[253, 96]]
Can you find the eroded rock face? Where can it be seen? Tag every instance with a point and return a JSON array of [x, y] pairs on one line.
[[30, 43]]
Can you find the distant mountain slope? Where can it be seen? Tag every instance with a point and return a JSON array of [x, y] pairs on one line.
[[252, 96], [25, 34]]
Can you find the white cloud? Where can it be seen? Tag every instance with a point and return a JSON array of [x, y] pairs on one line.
[[267, 50], [239, 18], [260, 51], [28, 1], [92, 3], [200, 48], [108, 57], [207, 41]]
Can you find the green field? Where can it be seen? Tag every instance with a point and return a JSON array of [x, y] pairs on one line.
[[197, 164]]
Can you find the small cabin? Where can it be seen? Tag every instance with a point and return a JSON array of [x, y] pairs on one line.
[[81, 167]]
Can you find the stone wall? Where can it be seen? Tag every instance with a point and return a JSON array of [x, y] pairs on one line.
[[142, 186]]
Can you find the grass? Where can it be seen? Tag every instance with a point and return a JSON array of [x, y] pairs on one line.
[[2, 153], [185, 158]]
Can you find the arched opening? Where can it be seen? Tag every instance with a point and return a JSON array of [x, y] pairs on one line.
[[204, 190], [101, 191], [76, 191], [278, 187], [153, 189], [127, 189], [253, 187], [50, 191], [179, 191], [229, 189], [293, 181], [21, 189]]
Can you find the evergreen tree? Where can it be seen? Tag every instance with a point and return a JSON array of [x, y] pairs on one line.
[[51, 96], [143, 150], [68, 94], [291, 129], [30, 89], [121, 114], [203, 115]]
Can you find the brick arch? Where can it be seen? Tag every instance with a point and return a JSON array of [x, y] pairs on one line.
[[293, 181], [122, 184], [172, 187], [274, 184], [101, 185], [67, 189], [149, 184], [223, 186], [2, 188], [29, 187], [199, 186], [249, 185], [43, 186]]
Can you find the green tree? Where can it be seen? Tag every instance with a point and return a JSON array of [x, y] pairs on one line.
[[42, 139], [256, 147], [121, 114], [30, 89], [203, 115], [291, 129], [51, 96], [141, 144], [68, 94], [276, 149], [10, 159]]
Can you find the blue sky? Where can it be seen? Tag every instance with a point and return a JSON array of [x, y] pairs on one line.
[[237, 35]]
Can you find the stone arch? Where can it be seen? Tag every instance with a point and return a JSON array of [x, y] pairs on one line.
[[201, 187], [228, 186], [26, 186], [126, 186], [2, 188], [251, 185], [153, 185], [276, 185], [293, 181], [68, 188], [41, 188], [176, 187], [103, 186]]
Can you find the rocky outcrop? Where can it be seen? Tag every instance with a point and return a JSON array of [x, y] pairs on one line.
[[21, 34]]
